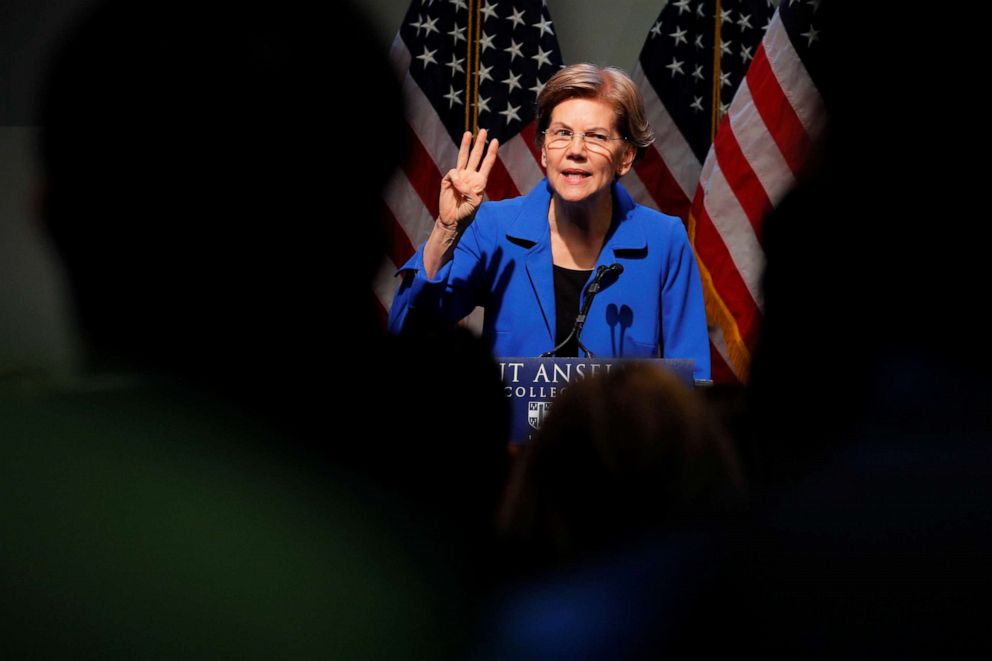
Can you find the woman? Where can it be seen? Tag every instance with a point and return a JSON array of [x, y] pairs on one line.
[[526, 259]]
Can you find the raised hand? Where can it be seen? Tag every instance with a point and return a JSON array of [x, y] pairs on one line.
[[463, 188]]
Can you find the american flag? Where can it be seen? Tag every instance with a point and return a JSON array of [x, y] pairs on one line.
[[464, 65], [729, 88]]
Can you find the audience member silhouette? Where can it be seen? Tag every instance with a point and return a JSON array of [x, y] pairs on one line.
[[194, 492], [868, 450], [617, 516], [621, 455]]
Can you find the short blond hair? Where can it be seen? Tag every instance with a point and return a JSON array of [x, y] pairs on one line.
[[609, 84]]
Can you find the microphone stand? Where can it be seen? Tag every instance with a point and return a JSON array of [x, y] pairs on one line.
[[594, 287]]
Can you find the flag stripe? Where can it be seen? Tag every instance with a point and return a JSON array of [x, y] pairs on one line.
[[723, 211], [632, 182], [423, 175], [519, 163], [777, 113], [716, 259], [501, 185], [403, 202], [673, 149], [719, 368], [740, 178], [725, 332], [664, 190], [718, 346], [528, 135], [399, 57], [793, 78], [400, 247], [757, 148]]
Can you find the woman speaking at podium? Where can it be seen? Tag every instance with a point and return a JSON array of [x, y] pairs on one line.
[[528, 259]]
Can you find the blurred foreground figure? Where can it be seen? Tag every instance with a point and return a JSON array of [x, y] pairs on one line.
[[615, 519], [192, 493], [870, 455], [621, 456]]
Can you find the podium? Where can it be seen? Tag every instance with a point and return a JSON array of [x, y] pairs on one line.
[[532, 383]]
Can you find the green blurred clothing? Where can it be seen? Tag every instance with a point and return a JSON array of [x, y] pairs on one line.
[[140, 520]]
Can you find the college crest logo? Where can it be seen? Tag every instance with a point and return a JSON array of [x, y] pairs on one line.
[[536, 412]]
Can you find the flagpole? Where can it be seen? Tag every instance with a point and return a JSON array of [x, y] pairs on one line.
[[475, 43], [715, 102], [469, 64]]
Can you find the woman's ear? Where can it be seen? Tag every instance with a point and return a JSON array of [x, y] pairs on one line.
[[626, 159]]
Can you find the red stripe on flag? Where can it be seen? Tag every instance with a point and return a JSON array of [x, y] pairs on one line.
[[740, 177], [500, 185], [713, 252], [423, 173], [661, 185], [720, 371], [527, 134], [777, 112], [400, 248]]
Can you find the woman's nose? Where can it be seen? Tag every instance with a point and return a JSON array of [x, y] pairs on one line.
[[577, 145]]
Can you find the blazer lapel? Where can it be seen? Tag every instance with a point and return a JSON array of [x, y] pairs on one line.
[[531, 226], [626, 234]]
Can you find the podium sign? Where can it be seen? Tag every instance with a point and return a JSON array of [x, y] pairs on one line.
[[531, 383]]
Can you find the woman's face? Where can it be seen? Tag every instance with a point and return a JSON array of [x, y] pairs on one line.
[[581, 169]]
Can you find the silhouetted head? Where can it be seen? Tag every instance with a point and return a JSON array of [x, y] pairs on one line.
[[203, 163], [620, 455]]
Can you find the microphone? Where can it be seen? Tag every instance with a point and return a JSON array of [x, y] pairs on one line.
[[602, 272]]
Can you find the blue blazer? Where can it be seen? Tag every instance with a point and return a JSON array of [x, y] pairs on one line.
[[503, 263]]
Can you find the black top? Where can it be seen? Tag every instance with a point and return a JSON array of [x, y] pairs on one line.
[[568, 289]]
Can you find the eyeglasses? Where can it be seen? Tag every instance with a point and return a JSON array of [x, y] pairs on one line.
[[561, 138]]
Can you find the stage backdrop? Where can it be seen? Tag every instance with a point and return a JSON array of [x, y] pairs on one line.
[[729, 87]]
